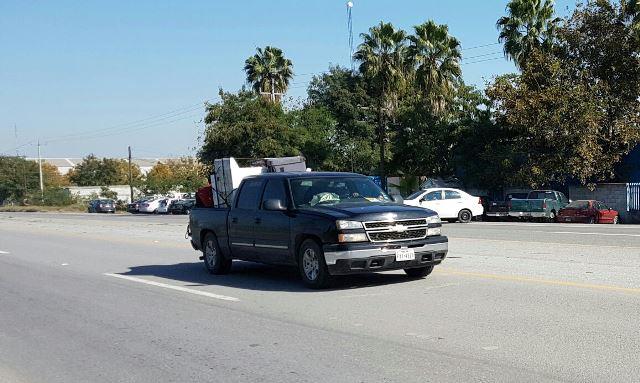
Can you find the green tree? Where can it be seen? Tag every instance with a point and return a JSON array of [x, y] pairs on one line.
[[269, 71], [343, 94], [530, 25], [93, 171], [244, 125], [382, 62], [20, 179], [436, 58]]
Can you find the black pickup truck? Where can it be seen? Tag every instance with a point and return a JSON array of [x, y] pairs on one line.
[[325, 224]]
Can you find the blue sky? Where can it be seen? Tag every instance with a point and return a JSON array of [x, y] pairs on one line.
[[96, 76]]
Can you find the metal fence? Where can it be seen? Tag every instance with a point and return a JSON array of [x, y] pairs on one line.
[[633, 197]]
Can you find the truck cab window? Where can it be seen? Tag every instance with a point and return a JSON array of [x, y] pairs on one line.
[[249, 194]]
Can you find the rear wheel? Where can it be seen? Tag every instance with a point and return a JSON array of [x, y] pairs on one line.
[[214, 261], [552, 216], [312, 266], [465, 216], [419, 272], [592, 220]]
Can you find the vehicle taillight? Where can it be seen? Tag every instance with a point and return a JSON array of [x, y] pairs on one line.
[[479, 200], [544, 205]]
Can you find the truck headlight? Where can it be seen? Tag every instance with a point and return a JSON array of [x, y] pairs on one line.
[[345, 225], [434, 219], [433, 231], [353, 237]]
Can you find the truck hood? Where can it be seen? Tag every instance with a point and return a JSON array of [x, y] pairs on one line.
[[371, 211]]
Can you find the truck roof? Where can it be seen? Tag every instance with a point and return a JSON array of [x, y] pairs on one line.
[[305, 175]]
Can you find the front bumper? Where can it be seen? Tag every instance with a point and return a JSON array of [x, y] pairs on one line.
[[497, 214], [368, 257]]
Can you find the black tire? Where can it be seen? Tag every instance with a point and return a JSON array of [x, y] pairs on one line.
[[419, 272], [552, 216], [214, 261], [592, 220], [465, 216], [312, 265]]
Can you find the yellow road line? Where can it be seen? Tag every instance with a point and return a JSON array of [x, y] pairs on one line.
[[541, 281], [540, 242]]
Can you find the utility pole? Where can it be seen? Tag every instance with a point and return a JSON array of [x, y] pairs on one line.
[[130, 177], [40, 170]]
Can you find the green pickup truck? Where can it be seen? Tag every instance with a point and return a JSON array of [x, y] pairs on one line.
[[539, 204]]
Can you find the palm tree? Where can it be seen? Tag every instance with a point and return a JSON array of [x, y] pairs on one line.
[[382, 61], [269, 72], [436, 58], [530, 25]]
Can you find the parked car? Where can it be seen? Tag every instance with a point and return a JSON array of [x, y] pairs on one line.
[[539, 204], [450, 204], [182, 206], [325, 224], [588, 211], [150, 206], [101, 206], [163, 206], [134, 206], [499, 210]]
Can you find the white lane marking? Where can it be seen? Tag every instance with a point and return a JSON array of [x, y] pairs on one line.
[[172, 287], [4, 252], [64, 264], [579, 233]]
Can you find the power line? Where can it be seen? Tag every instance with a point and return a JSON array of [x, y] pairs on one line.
[[480, 46], [480, 61], [483, 55], [124, 126]]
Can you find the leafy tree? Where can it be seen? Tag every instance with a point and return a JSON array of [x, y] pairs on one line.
[[382, 62], [436, 56], [105, 192], [184, 174], [103, 172], [244, 125], [269, 71], [530, 25], [160, 179], [343, 94]]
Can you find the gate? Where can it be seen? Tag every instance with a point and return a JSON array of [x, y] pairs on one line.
[[633, 197]]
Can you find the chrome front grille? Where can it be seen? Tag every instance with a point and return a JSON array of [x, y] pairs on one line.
[[401, 230]]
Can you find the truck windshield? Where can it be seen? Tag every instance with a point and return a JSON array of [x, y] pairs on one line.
[[335, 190]]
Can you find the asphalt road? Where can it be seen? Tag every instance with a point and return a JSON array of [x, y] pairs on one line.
[[120, 298]]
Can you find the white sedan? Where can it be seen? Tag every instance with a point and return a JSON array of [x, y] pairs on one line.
[[450, 204], [150, 206]]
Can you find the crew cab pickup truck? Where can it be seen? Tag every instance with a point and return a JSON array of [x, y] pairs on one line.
[[325, 224], [540, 204]]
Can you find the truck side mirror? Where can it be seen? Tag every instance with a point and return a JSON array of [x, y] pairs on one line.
[[397, 198], [274, 205]]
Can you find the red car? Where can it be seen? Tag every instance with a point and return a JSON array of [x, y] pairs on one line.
[[588, 211]]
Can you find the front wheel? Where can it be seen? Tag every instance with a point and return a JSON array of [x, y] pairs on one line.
[[214, 261], [419, 272], [616, 220], [312, 266]]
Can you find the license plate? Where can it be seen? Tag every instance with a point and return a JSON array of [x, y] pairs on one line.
[[405, 255]]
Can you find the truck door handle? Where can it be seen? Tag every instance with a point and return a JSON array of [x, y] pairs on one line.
[[258, 220], [234, 220]]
